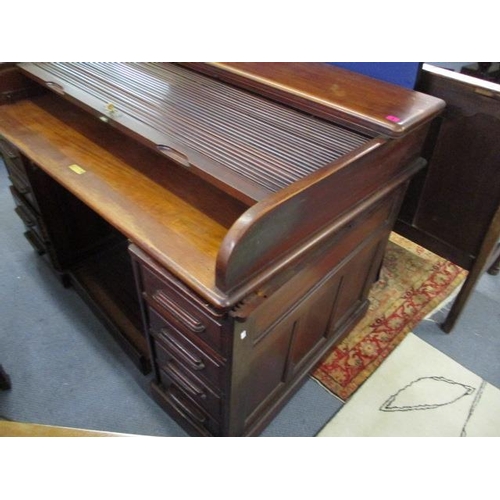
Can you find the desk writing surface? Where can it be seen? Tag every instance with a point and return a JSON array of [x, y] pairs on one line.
[[174, 216]]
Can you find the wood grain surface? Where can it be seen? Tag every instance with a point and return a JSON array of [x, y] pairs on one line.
[[333, 93], [176, 217]]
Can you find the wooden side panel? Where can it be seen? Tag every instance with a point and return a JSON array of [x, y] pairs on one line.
[[275, 232], [281, 355], [284, 330]]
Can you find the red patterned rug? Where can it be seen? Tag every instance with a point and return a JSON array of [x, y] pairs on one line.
[[413, 282]]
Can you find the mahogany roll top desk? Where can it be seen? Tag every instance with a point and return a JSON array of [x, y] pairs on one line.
[[225, 220]]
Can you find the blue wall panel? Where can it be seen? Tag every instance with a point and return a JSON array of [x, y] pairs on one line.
[[401, 73]]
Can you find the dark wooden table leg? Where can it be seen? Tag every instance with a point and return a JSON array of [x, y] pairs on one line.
[[480, 265], [5, 383], [495, 267]]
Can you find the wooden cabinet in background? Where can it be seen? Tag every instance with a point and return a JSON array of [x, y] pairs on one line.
[[453, 207]]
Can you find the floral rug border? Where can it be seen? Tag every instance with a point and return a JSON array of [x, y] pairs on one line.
[[355, 363]]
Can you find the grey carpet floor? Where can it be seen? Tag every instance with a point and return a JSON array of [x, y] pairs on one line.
[[67, 370]]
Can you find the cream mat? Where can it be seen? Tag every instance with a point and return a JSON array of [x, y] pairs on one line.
[[419, 391]]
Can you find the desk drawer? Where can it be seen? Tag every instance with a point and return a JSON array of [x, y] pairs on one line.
[[184, 411], [13, 160], [26, 192], [28, 215], [170, 345], [181, 308], [192, 387], [18, 182], [18, 176], [35, 241]]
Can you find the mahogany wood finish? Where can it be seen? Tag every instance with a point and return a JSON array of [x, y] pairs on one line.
[[452, 207], [238, 141], [14, 85], [23, 429], [301, 216], [228, 241], [334, 94]]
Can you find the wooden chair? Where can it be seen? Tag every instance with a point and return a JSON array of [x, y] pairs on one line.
[[453, 208], [488, 259]]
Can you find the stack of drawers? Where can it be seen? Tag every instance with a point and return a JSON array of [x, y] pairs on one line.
[[188, 348], [27, 207]]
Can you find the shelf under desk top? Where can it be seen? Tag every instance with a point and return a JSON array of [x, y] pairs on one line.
[[243, 143], [179, 219]]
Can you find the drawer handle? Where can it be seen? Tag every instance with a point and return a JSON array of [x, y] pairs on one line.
[[191, 359], [184, 382], [8, 151], [185, 318], [183, 409], [56, 87], [173, 154], [24, 216], [35, 242], [18, 184]]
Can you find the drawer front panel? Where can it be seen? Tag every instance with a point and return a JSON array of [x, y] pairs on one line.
[[28, 215], [184, 410], [192, 387], [35, 241], [26, 193], [13, 160], [172, 345], [19, 182], [180, 311], [17, 174]]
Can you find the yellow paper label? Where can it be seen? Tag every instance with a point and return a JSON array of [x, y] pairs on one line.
[[77, 169]]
